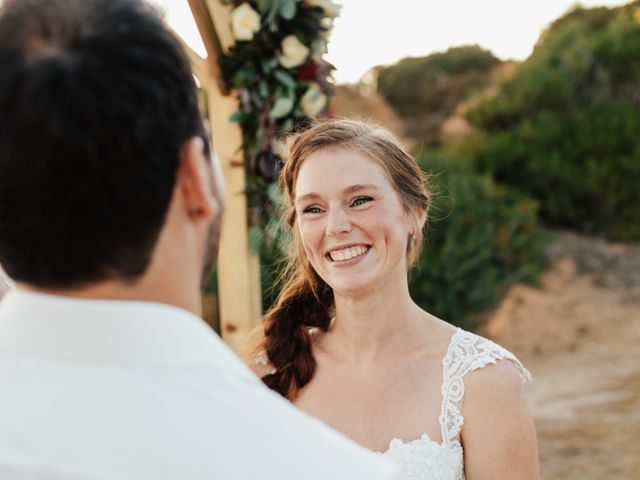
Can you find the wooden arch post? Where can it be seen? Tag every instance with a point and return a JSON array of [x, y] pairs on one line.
[[239, 296]]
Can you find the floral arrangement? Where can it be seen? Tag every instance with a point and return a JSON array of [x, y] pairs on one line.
[[280, 78]]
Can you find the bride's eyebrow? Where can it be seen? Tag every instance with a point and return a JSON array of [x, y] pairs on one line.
[[306, 197], [357, 188], [350, 189]]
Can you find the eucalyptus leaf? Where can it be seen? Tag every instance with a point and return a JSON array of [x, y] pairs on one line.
[[269, 65], [243, 77], [281, 107], [264, 6], [270, 15], [237, 117], [288, 9], [285, 79], [263, 89], [287, 126]]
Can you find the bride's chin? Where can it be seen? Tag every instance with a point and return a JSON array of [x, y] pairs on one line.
[[351, 289]]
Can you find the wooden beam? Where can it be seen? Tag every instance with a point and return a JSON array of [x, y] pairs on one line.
[[238, 269], [203, 15], [199, 66], [221, 17], [239, 293]]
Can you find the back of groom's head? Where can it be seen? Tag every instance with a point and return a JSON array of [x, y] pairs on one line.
[[96, 99]]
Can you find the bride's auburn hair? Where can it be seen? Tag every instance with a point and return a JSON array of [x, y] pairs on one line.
[[305, 300]]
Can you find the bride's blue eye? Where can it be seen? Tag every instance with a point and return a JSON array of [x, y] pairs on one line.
[[360, 201], [313, 209]]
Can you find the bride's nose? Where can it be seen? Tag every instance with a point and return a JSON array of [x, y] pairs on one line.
[[338, 222]]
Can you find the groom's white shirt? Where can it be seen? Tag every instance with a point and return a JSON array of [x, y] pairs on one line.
[[135, 390]]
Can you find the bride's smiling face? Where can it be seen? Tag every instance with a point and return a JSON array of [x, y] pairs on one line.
[[351, 222]]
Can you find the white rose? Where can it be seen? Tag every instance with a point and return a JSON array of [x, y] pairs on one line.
[[331, 8], [245, 21], [294, 53], [313, 101]]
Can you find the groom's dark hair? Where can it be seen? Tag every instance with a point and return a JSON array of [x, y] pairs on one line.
[[96, 99]]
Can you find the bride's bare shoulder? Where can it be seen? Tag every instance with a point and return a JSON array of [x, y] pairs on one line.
[[435, 332]]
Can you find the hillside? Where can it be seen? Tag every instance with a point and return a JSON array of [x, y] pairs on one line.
[[351, 101]]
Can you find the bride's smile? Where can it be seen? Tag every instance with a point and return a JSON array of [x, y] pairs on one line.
[[351, 222]]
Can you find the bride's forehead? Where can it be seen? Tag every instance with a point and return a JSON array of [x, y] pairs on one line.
[[338, 154], [341, 166]]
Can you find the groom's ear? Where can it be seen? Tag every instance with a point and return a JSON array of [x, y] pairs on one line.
[[194, 181]]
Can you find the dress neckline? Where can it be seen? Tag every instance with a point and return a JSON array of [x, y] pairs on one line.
[[424, 437]]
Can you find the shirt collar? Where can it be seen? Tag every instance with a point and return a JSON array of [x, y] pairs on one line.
[[112, 331]]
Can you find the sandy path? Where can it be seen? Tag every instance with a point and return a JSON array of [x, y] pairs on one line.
[[579, 334]]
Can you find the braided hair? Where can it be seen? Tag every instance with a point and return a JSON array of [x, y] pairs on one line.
[[306, 301]]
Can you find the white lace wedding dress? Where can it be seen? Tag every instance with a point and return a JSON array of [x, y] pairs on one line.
[[426, 459]]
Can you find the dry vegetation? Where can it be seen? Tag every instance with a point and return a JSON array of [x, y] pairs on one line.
[[352, 101], [579, 334]]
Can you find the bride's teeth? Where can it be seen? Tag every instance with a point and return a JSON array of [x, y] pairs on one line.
[[347, 253]]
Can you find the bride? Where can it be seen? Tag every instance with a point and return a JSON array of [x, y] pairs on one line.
[[346, 343]]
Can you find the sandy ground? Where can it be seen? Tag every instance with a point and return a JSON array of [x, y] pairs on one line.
[[579, 335]]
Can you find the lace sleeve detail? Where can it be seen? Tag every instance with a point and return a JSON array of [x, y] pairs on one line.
[[261, 364], [489, 352], [261, 358], [467, 352]]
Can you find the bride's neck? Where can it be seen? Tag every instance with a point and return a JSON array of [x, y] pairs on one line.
[[367, 328]]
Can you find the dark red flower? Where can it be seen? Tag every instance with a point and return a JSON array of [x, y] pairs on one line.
[[308, 71]]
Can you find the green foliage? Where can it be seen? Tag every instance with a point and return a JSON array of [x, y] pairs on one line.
[[273, 256], [271, 86], [565, 128], [272, 241], [426, 90], [481, 238]]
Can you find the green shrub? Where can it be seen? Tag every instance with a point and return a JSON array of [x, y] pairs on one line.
[[481, 238], [426, 90], [566, 128], [272, 262]]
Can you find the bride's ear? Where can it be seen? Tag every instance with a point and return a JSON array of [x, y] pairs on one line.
[[422, 217], [419, 219]]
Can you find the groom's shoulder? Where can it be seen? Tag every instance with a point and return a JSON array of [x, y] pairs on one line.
[[178, 396], [256, 432], [286, 442]]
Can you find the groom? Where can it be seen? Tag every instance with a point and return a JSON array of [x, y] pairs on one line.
[[110, 208]]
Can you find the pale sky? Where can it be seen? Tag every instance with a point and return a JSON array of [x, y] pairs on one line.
[[375, 32]]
